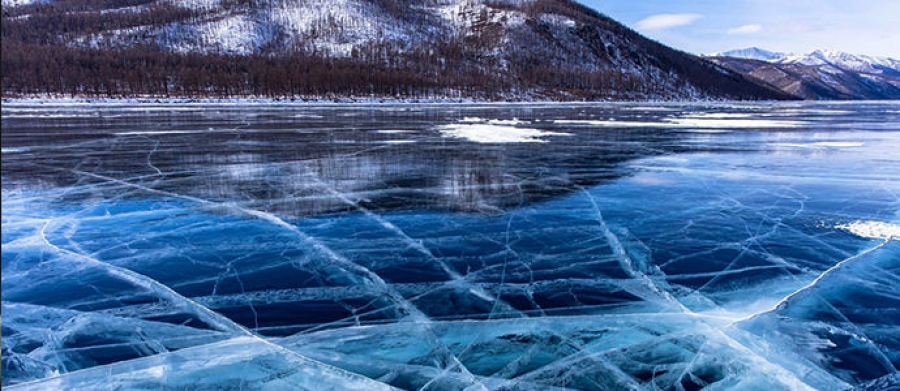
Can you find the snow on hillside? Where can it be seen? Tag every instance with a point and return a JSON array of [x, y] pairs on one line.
[[16, 3], [820, 74], [232, 34], [336, 27], [236, 34], [753, 53], [854, 62], [823, 57], [465, 15], [556, 48]]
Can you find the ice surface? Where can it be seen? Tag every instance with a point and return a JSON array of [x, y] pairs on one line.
[[370, 247], [823, 144], [697, 122], [847, 322], [238, 363]]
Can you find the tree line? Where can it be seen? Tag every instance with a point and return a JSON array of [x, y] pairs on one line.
[[149, 71], [59, 48]]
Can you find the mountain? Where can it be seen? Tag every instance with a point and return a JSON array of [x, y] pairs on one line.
[[482, 49], [846, 61], [821, 74], [752, 53]]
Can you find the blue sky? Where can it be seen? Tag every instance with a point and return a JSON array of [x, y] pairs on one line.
[[869, 27]]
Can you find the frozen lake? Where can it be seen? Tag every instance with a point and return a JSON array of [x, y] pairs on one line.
[[447, 247]]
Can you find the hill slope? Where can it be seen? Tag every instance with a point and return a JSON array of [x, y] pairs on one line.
[[821, 74], [486, 49]]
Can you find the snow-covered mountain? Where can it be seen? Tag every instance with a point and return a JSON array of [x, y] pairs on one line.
[[494, 49], [843, 60], [820, 74], [752, 53], [846, 61]]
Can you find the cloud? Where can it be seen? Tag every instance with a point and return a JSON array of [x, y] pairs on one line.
[[745, 29], [667, 21]]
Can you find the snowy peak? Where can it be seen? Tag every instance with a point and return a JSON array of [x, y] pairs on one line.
[[847, 61], [752, 53], [821, 57], [820, 74]]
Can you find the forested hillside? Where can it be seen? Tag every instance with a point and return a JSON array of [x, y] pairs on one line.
[[481, 49]]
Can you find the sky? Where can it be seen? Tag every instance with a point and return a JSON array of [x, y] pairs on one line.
[[870, 27]]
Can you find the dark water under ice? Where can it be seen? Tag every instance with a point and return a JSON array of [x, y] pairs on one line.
[[503, 247]]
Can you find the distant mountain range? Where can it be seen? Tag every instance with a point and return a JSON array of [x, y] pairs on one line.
[[481, 49], [821, 74]]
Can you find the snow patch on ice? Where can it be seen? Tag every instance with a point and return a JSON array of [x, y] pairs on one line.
[[394, 131], [699, 122], [650, 108], [55, 115], [159, 132], [872, 229], [514, 121], [472, 120], [705, 131], [733, 123], [610, 123], [488, 133], [721, 115]]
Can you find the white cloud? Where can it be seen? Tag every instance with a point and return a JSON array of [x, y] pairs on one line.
[[666, 21], [745, 29]]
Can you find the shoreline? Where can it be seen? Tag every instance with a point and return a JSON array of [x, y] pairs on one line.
[[79, 101]]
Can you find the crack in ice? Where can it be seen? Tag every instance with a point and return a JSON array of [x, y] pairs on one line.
[[812, 283], [626, 261], [418, 316]]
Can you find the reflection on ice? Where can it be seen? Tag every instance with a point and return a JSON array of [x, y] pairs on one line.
[[379, 247]]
